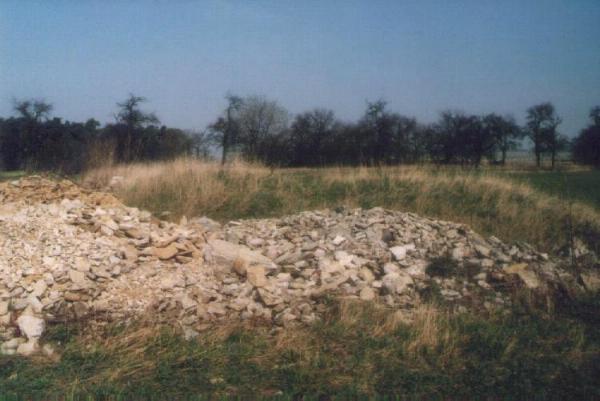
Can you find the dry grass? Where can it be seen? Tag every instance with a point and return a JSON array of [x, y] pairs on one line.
[[358, 348], [139, 352], [190, 185], [488, 202], [485, 200]]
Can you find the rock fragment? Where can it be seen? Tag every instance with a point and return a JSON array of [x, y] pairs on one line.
[[528, 277], [166, 252]]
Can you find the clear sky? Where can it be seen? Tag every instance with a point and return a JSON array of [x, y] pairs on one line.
[[421, 56]]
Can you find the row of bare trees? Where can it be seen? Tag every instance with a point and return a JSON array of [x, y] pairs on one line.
[[33, 139], [257, 128], [260, 129]]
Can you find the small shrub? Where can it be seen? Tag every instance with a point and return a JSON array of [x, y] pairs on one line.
[[443, 266]]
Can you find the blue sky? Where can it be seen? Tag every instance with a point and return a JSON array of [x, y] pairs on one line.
[[421, 56]]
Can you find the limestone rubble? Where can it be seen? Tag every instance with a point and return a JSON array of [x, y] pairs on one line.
[[70, 253]]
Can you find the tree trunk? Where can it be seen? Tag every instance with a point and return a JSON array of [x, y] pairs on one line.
[[538, 151], [225, 146], [226, 135]]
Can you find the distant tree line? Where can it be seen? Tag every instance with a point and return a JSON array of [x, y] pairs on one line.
[[260, 129], [586, 146], [256, 128], [34, 140]]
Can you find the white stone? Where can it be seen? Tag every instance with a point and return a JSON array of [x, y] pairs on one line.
[[12, 344], [396, 283], [77, 277], [29, 348], [39, 288], [34, 303], [390, 268], [31, 326], [4, 307], [400, 251], [338, 240], [344, 258]]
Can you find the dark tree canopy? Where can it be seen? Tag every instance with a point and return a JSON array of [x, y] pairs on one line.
[[542, 123], [34, 140], [130, 114], [33, 109], [225, 131], [504, 132], [586, 146], [260, 129]]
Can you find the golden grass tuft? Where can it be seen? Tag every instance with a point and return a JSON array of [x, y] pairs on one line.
[[183, 185]]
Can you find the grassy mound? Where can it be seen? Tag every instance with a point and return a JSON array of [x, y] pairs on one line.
[[494, 203]]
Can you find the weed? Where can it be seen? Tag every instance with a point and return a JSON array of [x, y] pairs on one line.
[[443, 266]]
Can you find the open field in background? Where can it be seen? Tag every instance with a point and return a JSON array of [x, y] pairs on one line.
[[359, 350], [541, 208], [578, 185]]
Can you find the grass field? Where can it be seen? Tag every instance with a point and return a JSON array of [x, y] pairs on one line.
[[11, 175], [515, 206], [360, 351], [577, 185]]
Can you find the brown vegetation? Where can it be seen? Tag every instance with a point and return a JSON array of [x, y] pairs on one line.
[[489, 202]]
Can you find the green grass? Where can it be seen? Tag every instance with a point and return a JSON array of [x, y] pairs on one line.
[[11, 175], [356, 352], [573, 185], [512, 205]]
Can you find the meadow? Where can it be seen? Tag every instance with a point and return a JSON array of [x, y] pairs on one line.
[[543, 208], [360, 350]]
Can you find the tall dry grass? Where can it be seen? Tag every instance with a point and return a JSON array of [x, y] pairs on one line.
[[486, 201], [184, 187]]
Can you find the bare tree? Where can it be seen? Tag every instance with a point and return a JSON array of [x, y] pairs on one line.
[[595, 115], [310, 133], [225, 131], [541, 129], [200, 143], [133, 118], [504, 131], [260, 119], [33, 109]]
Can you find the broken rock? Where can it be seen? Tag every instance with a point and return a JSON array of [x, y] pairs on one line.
[[528, 277], [224, 252], [256, 276], [399, 252], [166, 253], [31, 326]]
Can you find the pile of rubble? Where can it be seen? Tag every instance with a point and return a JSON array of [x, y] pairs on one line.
[[69, 253]]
